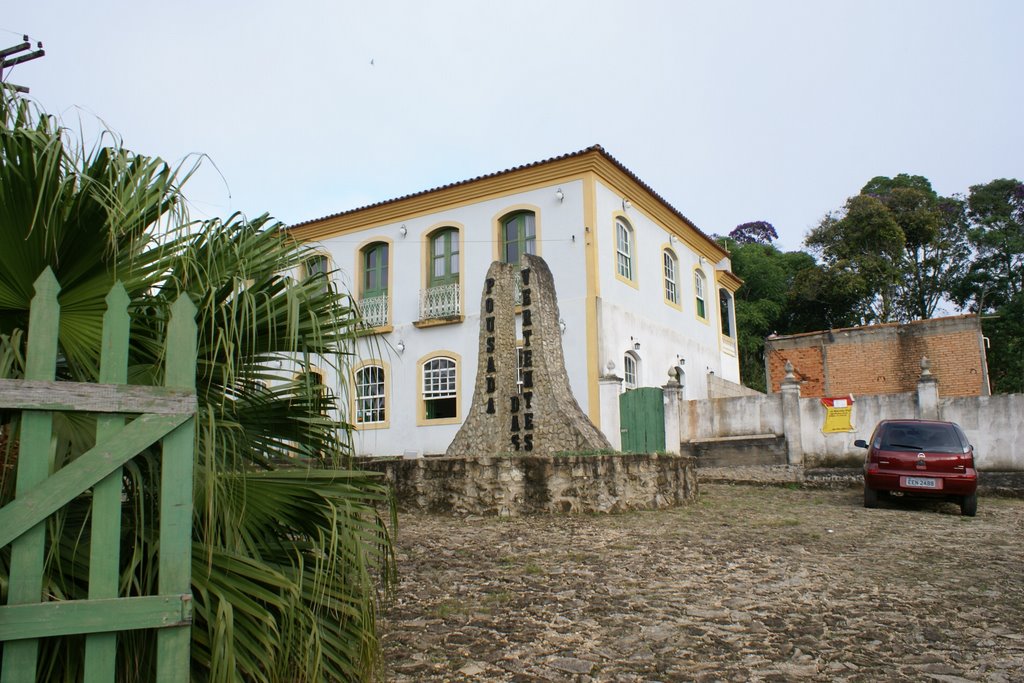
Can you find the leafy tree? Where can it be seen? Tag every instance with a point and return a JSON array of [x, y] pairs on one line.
[[1005, 331], [996, 275], [863, 244], [286, 559], [994, 283], [762, 232], [782, 293], [898, 244]]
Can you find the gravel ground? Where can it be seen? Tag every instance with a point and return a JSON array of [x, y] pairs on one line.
[[747, 584]]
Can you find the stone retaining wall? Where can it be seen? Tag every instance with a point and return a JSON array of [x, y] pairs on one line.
[[526, 484], [1003, 484]]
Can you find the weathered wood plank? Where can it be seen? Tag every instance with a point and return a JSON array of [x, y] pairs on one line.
[[176, 494], [46, 497], [34, 463], [105, 543], [66, 617], [18, 394]]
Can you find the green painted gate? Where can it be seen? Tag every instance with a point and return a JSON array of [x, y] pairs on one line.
[[642, 420], [164, 414]]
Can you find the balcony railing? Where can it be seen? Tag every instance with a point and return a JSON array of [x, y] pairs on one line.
[[375, 311], [440, 302]]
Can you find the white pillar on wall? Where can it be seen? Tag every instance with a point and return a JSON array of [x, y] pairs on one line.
[[673, 393], [927, 393], [791, 417], [609, 388]]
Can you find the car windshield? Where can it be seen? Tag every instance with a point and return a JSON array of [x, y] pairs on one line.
[[921, 438]]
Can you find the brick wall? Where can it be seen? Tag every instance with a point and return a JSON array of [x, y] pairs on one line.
[[883, 359]]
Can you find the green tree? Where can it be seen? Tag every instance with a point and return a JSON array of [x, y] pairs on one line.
[[899, 244], [994, 283], [996, 274], [864, 244], [782, 293], [286, 559]]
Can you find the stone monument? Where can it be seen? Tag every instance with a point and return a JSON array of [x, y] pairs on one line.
[[538, 416]]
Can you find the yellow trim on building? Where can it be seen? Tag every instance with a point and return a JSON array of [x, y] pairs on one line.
[[729, 280], [592, 296], [591, 165], [359, 279], [498, 240]]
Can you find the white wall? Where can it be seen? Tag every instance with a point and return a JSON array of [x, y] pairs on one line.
[[560, 242], [665, 333], [992, 423], [629, 314]]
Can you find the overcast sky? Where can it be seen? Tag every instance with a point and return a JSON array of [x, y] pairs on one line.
[[733, 111]]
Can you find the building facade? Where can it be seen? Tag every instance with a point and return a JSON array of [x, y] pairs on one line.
[[883, 359], [641, 291]]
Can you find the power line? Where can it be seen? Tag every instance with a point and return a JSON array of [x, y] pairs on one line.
[[10, 56]]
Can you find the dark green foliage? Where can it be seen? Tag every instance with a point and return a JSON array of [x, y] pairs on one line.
[[782, 293], [897, 246], [288, 546], [994, 282]]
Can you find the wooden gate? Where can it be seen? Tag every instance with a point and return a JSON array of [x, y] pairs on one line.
[[642, 420], [162, 413]]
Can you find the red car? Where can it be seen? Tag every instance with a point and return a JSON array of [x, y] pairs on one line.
[[921, 458]]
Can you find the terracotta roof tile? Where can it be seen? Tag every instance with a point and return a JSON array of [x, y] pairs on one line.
[[593, 148]]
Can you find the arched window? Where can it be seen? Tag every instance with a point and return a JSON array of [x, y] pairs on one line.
[[440, 389], [444, 257], [699, 288], [671, 265], [630, 371], [371, 397], [318, 265], [442, 296], [518, 236], [374, 284], [312, 387], [624, 248], [726, 309], [375, 270]]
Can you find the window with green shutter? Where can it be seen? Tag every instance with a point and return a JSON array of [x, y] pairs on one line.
[[375, 270], [699, 285], [519, 236], [444, 257]]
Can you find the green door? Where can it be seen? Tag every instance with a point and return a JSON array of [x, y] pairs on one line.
[[642, 418]]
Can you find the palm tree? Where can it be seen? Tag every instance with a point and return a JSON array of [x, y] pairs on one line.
[[286, 589]]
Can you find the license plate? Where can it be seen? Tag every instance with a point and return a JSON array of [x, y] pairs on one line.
[[920, 483]]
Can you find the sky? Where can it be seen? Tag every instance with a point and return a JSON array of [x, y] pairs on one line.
[[733, 111]]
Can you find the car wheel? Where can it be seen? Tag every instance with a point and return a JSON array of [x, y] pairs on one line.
[[969, 505], [870, 497]]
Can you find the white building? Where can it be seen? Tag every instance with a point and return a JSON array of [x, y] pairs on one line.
[[640, 289]]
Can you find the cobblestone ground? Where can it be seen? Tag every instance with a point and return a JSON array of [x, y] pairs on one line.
[[747, 584]]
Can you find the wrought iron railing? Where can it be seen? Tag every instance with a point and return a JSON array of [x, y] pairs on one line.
[[375, 311], [440, 302]]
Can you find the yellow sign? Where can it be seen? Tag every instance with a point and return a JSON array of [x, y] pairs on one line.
[[838, 415]]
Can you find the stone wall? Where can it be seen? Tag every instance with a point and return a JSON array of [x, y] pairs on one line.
[[513, 485]]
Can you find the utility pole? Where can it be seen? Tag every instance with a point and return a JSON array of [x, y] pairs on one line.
[[8, 59]]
